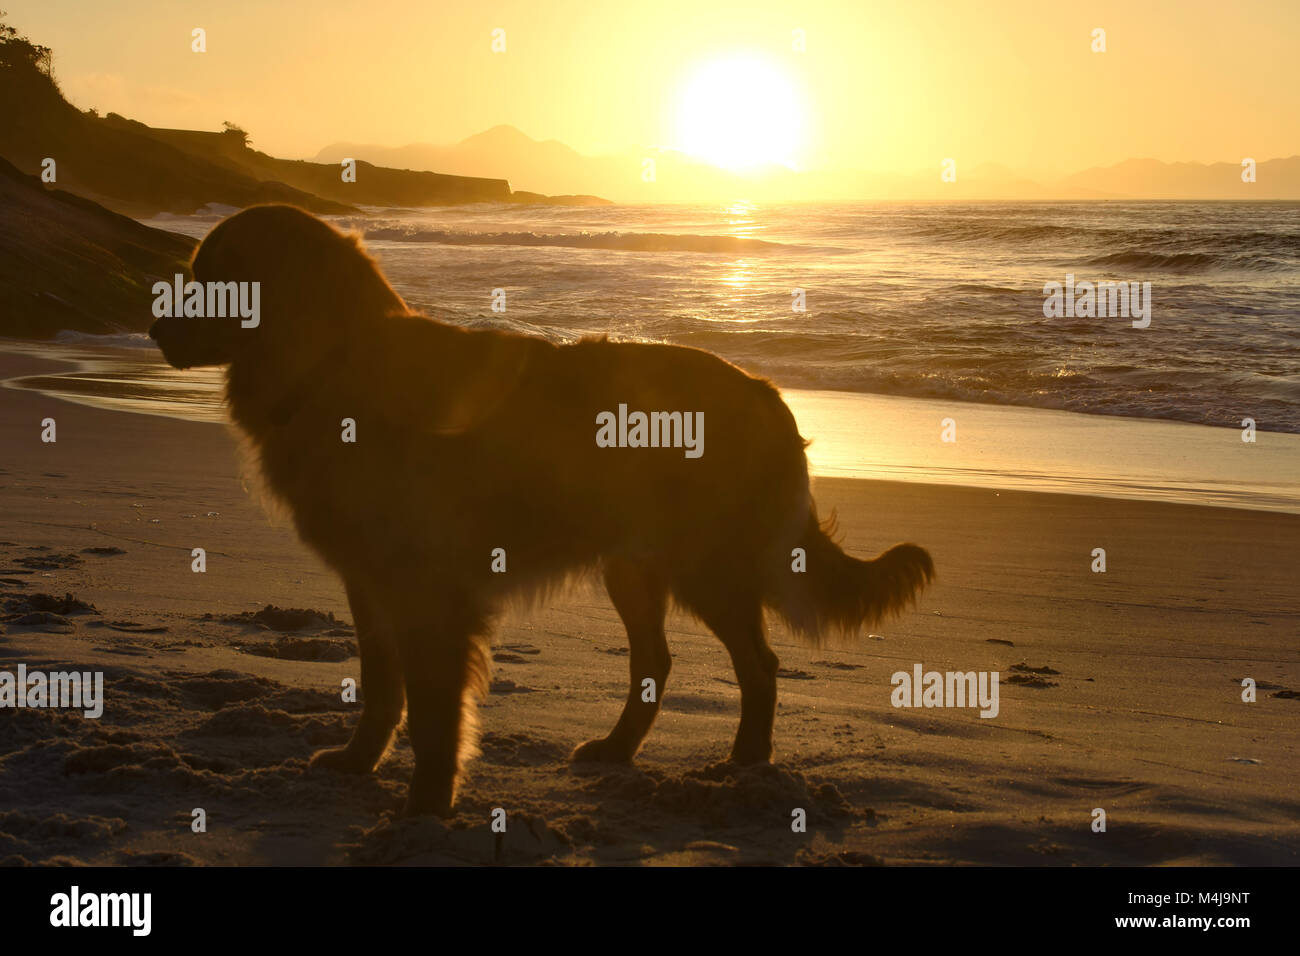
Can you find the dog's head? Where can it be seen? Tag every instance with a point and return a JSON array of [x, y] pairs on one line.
[[275, 282]]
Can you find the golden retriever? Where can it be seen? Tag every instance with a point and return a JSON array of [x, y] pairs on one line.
[[485, 465]]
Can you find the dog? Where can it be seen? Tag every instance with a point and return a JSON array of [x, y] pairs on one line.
[[484, 466]]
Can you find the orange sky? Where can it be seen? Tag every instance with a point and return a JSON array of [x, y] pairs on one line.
[[881, 86]]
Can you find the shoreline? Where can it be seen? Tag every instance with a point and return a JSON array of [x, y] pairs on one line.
[[854, 435]]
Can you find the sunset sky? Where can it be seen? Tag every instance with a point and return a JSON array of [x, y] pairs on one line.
[[881, 86]]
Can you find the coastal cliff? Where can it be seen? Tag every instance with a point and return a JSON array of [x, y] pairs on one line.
[[68, 263]]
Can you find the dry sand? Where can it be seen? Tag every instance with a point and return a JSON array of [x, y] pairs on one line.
[[1140, 713]]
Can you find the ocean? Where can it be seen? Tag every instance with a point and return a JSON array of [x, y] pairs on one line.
[[923, 300], [942, 304], [931, 301]]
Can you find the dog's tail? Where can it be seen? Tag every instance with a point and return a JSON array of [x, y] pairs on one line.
[[827, 592]]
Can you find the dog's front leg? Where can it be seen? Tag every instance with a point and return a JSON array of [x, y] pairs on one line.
[[445, 669], [381, 688]]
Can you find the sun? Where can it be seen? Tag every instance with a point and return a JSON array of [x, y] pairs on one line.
[[738, 113]]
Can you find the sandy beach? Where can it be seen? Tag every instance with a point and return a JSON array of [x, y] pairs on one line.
[[1119, 690]]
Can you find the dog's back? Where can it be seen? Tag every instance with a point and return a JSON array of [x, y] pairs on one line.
[[524, 471]]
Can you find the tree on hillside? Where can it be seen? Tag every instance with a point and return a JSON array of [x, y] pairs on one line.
[[230, 129], [18, 52]]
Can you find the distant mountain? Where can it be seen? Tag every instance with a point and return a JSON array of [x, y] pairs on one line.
[[68, 263], [1152, 179], [978, 183], [501, 152], [551, 166]]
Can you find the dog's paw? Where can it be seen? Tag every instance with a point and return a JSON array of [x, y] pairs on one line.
[[601, 750], [749, 754], [427, 808], [341, 759], [433, 796]]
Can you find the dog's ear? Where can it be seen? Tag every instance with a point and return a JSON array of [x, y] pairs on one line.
[[447, 379]]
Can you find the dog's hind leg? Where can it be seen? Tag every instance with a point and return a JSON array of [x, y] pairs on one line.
[[383, 696], [641, 600], [738, 622]]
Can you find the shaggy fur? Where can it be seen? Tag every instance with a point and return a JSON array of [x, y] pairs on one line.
[[469, 441]]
